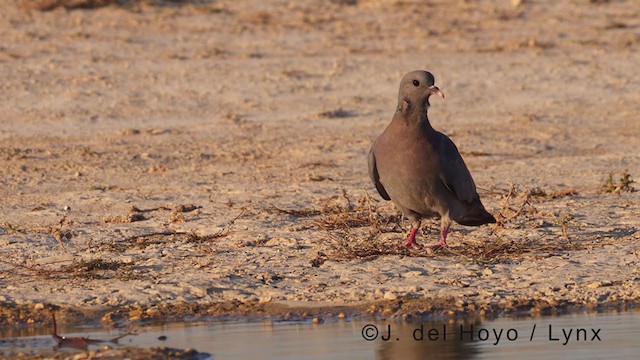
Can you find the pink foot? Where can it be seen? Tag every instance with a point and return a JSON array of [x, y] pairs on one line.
[[443, 239], [411, 241]]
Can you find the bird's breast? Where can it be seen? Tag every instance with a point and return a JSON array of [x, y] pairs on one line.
[[409, 174]]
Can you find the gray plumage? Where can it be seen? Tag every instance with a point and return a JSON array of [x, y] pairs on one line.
[[420, 169]]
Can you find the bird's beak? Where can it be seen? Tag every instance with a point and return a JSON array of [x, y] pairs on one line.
[[435, 91]]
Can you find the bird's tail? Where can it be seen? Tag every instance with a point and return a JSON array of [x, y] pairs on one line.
[[476, 216]]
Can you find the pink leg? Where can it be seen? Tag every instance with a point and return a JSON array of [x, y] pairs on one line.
[[443, 237], [411, 241]]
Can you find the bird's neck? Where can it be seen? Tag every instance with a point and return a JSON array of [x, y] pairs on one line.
[[414, 114]]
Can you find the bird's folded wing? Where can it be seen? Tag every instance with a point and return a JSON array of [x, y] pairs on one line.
[[454, 172], [375, 177]]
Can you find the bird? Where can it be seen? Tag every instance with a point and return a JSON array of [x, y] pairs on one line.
[[420, 169]]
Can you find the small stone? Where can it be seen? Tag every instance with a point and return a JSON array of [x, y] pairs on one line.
[[413, 273], [107, 319], [153, 312], [594, 285], [413, 289], [113, 301], [316, 320], [342, 316], [199, 291], [390, 295], [487, 272], [38, 306]]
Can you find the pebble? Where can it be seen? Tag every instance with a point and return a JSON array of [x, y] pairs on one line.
[[390, 296], [199, 291], [107, 319], [114, 300], [413, 273], [153, 312], [594, 285]]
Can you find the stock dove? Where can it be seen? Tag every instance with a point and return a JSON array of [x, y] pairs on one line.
[[420, 169]]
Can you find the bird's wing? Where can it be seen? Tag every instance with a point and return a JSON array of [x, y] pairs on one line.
[[454, 173], [375, 177]]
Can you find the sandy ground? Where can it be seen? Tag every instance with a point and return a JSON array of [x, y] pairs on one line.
[[211, 157]]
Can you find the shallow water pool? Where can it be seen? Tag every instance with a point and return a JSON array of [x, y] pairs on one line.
[[583, 336]]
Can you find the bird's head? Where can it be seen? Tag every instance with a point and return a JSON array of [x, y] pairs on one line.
[[416, 87]]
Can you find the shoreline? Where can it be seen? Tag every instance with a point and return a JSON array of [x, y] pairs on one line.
[[34, 316]]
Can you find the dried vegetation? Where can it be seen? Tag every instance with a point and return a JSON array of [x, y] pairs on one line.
[[363, 228], [624, 184]]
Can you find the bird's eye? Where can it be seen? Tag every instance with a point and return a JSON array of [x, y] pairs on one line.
[[416, 83]]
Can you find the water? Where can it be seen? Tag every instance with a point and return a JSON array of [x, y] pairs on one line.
[[585, 336]]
